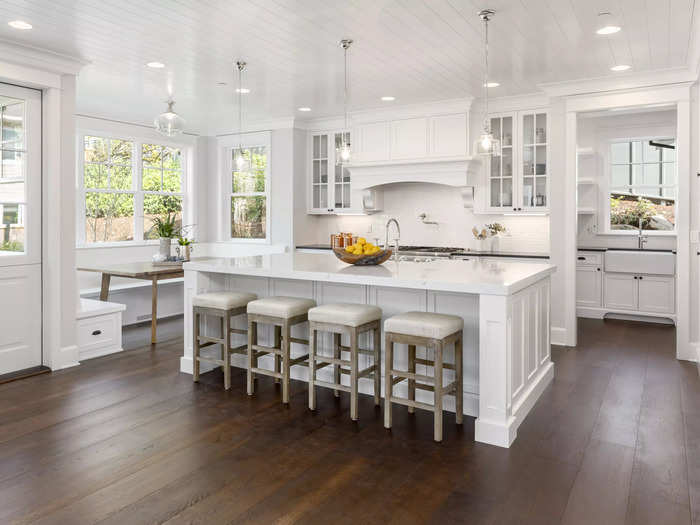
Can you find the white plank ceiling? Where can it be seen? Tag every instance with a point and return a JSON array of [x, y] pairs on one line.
[[414, 50]]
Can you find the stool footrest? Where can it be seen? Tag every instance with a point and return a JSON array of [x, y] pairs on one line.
[[204, 339], [267, 349], [331, 360], [428, 362], [266, 372], [241, 331], [219, 362], [421, 386], [451, 388], [298, 341], [414, 404], [334, 386], [302, 360], [209, 343], [414, 377], [366, 372], [242, 350], [397, 380], [362, 351]]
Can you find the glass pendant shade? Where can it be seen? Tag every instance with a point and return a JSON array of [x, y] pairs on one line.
[[169, 123], [342, 154], [242, 163], [487, 144]]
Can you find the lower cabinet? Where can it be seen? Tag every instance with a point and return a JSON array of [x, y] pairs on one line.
[[657, 294], [621, 291], [589, 286], [643, 293]]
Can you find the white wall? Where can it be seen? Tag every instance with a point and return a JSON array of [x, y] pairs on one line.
[[596, 131]]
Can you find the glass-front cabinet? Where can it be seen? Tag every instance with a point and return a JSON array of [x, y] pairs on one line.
[[518, 179], [329, 190]]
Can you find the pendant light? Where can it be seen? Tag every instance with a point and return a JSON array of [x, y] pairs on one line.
[[169, 123], [242, 163], [487, 144], [342, 151]]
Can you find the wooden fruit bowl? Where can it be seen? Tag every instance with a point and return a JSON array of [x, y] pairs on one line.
[[362, 260]]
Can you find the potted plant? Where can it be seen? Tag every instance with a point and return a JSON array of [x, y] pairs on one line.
[[166, 228], [184, 248]]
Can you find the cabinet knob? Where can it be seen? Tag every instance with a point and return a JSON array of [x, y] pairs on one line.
[[96, 332], [598, 269], [640, 277]]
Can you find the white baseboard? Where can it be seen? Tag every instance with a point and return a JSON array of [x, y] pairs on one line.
[[66, 358], [558, 336]]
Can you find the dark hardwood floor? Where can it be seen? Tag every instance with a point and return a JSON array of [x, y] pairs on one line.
[[127, 439]]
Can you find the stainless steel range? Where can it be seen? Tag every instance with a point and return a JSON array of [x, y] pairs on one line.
[[426, 253]]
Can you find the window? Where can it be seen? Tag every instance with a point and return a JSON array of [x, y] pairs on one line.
[[124, 184], [250, 194], [643, 184]]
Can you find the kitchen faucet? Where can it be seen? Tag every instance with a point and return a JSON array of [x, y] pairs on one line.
[[642, 239], [396, 239]]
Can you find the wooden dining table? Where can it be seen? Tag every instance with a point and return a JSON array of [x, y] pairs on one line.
[[145, 271]]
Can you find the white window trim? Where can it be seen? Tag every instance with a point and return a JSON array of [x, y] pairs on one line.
[[247, 140], [137, 178], [605, 191]]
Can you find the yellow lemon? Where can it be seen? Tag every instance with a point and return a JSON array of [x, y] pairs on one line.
[[361, 241]]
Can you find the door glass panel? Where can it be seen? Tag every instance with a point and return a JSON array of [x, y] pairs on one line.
[[496, 127], [495, 192], [507, 161], [507, 139], [12, 177], [541, 128], [541, 192], [495, 166], [528, 160], [528, 191], [528, 130], [507, 194], [541, 160], [338, 196]]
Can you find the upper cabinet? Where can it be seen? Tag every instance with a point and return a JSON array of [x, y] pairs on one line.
[[518, 179], [419, 138]]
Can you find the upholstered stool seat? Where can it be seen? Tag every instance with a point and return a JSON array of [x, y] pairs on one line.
[[434, 332], [224, 300], [282, 307], [223, 304], [283, 313], [351, 320]]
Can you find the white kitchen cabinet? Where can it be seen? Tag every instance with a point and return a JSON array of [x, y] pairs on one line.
[[621, 291], [371, 142], [589, 286], [657, 294], [409, 139], [518, 179], [330, 190], [448, 135]]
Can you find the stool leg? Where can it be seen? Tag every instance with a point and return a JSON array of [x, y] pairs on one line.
[[227, 351], [437, 415], [412, 382], [252, 340], [377, 365], [223, 337], [195, 347], [388, 387], [278, 359], [336, 368], [312, 368], [353, 375], [459, 395], [285, 362]]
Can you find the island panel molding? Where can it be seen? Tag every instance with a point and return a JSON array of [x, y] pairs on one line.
[[504, 304]]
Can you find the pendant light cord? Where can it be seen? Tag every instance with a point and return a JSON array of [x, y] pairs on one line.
[[486, 70], [240, 105], [345, 87]]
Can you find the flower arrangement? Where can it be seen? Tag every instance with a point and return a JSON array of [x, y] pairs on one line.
[[489, 230]]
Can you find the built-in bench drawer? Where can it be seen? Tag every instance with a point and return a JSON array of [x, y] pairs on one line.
[[589, 259], [99, 328]]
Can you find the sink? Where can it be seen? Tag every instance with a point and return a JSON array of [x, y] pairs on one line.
[[629, 261]]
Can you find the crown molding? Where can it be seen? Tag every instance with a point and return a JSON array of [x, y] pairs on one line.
[[624, 81], [38, 58]]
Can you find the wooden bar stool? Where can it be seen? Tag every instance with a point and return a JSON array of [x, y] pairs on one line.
[[429, 330], [353, 320], [223, 305], [282, 313]]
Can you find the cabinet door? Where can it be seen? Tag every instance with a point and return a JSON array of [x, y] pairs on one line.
[[534, 166], [657, 294], [342, 200], [409, 138], [319, 201], [501, 189], [621, 291], [589, 287], [372, 142], [448, 135]]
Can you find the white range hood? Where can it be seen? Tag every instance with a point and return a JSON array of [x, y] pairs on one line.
[[460, 173]]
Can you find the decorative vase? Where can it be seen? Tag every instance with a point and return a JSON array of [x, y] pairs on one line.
[[164, 250], [188, 251]]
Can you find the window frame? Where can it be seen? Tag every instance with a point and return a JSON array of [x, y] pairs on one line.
[[136, 185], [608, 187], [251, 140]]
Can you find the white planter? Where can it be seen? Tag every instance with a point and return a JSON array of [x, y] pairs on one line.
[[164, 250]]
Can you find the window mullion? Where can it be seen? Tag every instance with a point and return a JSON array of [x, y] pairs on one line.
[[136, 167]]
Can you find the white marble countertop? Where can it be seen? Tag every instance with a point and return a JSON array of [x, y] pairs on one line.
[[471, 276]]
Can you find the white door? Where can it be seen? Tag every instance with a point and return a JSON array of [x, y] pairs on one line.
[[20, 228], [621, 291], [588, 286], [657, 294]]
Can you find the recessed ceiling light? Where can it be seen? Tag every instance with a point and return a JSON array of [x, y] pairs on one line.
[[607, 24], [304, 108], [156, 65], [20, 24], [388, 99], [242, 90], [492, 84], [620, 67]]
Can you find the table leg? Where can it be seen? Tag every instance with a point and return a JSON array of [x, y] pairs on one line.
[[154, 309], [104, 291]]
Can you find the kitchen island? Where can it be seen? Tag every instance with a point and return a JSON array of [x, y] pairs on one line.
[[505, 306]]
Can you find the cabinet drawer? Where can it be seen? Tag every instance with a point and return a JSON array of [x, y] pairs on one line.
[[97, 333], [589, 259]]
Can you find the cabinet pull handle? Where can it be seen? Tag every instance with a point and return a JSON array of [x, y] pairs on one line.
[[581, 258], [96, 332]]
